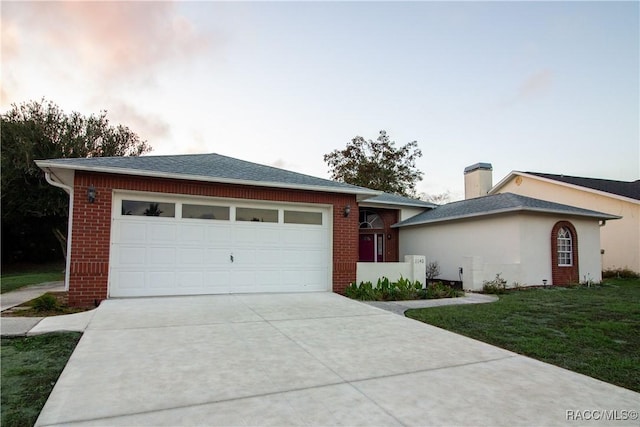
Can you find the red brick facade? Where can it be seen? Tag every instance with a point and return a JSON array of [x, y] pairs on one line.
[[91, 235], [564, 275]]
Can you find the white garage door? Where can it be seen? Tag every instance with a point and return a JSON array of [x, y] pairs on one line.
[[162, 246]]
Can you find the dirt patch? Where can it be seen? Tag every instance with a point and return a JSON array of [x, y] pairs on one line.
[[62, 298]]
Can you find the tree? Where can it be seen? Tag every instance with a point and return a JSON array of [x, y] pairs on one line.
[[438, 198], [378, 165], [34, 213]]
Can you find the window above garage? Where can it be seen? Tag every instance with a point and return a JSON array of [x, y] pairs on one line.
[[145, 208], [217, 210]]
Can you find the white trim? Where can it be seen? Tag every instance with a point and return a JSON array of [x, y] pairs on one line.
[[69, 190], [513, 174], [137, 172]]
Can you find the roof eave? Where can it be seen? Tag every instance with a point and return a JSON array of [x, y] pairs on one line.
[[361, 193], [595, 215]]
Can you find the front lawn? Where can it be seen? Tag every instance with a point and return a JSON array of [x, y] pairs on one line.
[[18, 277], [592, 330], [30, 368]]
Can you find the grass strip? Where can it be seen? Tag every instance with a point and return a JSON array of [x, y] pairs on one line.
[[30, 368], [591, 330], [17, 276]]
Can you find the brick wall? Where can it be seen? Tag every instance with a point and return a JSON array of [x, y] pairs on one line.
[[91, 237], [564, 275]]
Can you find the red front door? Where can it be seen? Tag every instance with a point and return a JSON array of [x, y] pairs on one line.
[[371, 248], [367, 248]]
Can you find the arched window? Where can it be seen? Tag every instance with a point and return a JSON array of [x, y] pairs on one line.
[[565, 247], [369, 219]]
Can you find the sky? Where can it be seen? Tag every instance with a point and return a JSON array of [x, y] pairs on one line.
[[531, 86]]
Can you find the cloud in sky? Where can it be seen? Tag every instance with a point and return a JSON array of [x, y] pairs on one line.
[[536, 84], [93, 45]]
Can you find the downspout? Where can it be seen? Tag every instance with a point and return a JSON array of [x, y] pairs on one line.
[[69, 191]]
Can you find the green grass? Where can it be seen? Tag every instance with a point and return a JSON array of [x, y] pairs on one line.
[[30, 368], [592, 330], [17, 277]]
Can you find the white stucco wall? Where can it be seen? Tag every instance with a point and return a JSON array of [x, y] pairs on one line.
[[620, 238], [516, 245]]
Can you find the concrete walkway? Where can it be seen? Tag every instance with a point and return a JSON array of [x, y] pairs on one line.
[[22, 326], [399, 307], [22, 295], [306, 359]]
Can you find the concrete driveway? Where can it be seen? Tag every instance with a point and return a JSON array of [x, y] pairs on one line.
[[306, 359]]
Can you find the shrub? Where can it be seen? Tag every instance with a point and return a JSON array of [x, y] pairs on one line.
[[620, 273], [440, 290], [403, 289], [495, 286], [46, 302]]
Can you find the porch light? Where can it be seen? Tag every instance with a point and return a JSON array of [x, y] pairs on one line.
[[544, 282], [91, 194], [347, 210]]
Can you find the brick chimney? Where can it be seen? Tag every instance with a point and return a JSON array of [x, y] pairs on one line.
[[478, 180]]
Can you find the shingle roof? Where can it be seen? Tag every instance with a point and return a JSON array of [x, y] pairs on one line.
[[629, 189], [495, 204], [204, 167], [394, 199]]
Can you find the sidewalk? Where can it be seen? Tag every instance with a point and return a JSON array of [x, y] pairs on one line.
[[17, 297], [20, 326]]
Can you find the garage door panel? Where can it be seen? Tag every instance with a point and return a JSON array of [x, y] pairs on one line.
[[218, 235], [132, 255], [161, 256], [131, 280], [132, 232], [304, 237], [217, 257], [265, 235], [190, 279], [162, 232], [191, 256], [161, 279], [190, 233], [175, 256]]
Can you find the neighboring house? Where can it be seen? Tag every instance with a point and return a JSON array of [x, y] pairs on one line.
[[203, 224], [620, 240], [208, 224]]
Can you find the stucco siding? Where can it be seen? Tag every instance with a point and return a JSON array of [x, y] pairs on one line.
[[496, 239], [620, 239], [518, 246]]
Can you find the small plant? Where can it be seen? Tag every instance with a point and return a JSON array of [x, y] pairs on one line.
[[495, 286], [433, 270], [46, 302]]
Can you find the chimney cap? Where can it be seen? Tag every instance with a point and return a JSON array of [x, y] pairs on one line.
[[483, 166]]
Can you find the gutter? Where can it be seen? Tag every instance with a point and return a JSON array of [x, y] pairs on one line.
[[69, 190]]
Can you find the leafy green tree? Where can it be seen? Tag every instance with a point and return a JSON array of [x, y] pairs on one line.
[[378, 165], [34, 213]]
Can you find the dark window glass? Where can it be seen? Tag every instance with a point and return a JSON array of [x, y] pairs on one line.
[[141, 208], [205, 212], [299, 217], [256, 215]]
